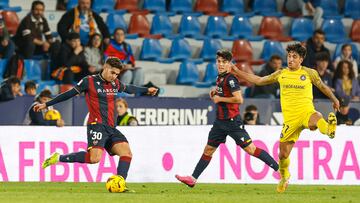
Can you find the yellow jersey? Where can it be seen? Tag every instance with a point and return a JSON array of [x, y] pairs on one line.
[[296, 96]]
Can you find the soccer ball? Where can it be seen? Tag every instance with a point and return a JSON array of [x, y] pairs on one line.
[[115, 183], [52, 115]]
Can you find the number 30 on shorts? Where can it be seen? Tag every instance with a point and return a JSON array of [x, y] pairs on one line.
[[95, 135]]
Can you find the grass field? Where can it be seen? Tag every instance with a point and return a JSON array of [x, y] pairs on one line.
[[170, 192]]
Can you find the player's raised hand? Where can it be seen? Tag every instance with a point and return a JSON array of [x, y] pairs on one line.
[[152, 91], [39, 107]]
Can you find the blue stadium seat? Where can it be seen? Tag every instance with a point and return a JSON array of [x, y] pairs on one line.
[[216, 28], [232, 6], [180, 50], [115, 20], [265, 7], [211, 73], [272, 47], [3, 63], [161, 24], [241, 27], [47, 84], [330, 8], [181, 6], [352, 9], [152, 51], [355, 52], [103, 5], [188, 74], [4, 3], [155, 5], [32, 70], [210, 46], [302, 29], [335, 30], [190, 27], [71, 4]]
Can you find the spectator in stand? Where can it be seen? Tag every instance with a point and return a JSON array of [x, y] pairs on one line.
[[30, 88], [346, 85], [346, 54], [315, 45], [322, 62], [94, 53], [122, 50], [124, 118], [84, 21], [251, 115], [73, 65], [34, 37], [10, 89], [307, 8], [7, 46], [342, 116], [272, 90]]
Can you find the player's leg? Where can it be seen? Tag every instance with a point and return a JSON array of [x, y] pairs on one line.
[[262, 155], [328, 128], [284, 162], [122, 149]]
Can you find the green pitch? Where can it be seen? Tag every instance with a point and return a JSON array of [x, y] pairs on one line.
[[15, 192]]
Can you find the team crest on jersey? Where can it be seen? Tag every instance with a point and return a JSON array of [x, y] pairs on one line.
[[232, 83], [302, 77]]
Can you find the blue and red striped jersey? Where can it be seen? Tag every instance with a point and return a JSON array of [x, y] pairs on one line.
[[100, 98], [225, 85]]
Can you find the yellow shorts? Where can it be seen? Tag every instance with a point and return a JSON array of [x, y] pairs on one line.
[[291, 129]]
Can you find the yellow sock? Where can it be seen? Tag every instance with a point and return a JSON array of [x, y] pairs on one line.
[[284, 167], [323, 126]]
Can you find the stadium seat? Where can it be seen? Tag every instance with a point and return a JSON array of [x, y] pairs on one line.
[[71, 4], [211, 73], [161, 24], [11, 21], [265, 7], [3, 63], [243, 52], [330, 8], [232, 6], [335, 30], [216, 28], [272, 47], [190, 27], [355, 31], [155, 5], [4, 3], [208, 51], [246, 67], [208, 7], [355, 51], [181, 6], [115, 20], [47, 84], [241, 27], [103, 5], [271, 28], [302, 29], [188, 74], [152, 51], [32, 70], [352, 9], [140, 25], [180, 50], [129, 5]]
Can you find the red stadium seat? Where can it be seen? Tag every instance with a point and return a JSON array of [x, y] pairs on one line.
[[355, 31], [243, 52], [209, 7], [11, 21], [271, 28], [140, 25], [246, 67], [129, 5]]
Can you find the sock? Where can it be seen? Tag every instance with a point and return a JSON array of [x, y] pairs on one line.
[[284, 167], [201, 165], [265, 157], [123, 166], [79, 157], [322, 125]]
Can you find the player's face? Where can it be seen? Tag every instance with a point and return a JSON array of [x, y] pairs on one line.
[[38, 11], [84, 5], [109, 73], [120, 108], [43, 100], [222, 65], [294, 60]]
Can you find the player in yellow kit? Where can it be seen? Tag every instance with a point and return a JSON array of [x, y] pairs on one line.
[[296, 100]]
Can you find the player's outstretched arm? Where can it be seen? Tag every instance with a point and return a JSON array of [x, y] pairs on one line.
[[132, 89], [61, 97], [252, 78]]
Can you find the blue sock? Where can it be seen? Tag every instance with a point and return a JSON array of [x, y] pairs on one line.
[[79, 157], [123, 166], [265, 157], [201, 165]]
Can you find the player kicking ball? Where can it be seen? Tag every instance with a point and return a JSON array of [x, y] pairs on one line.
[[227, 97], [296, 100], [100, 92]]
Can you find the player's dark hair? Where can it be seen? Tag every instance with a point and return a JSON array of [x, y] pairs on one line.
[[35, 3], [45, 93], [339, 71], [251, 108], [319, 31], [13, 80], [114, 62], [275, 57], [225, 54], [297, 48], [30, 84], [322, 56]]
